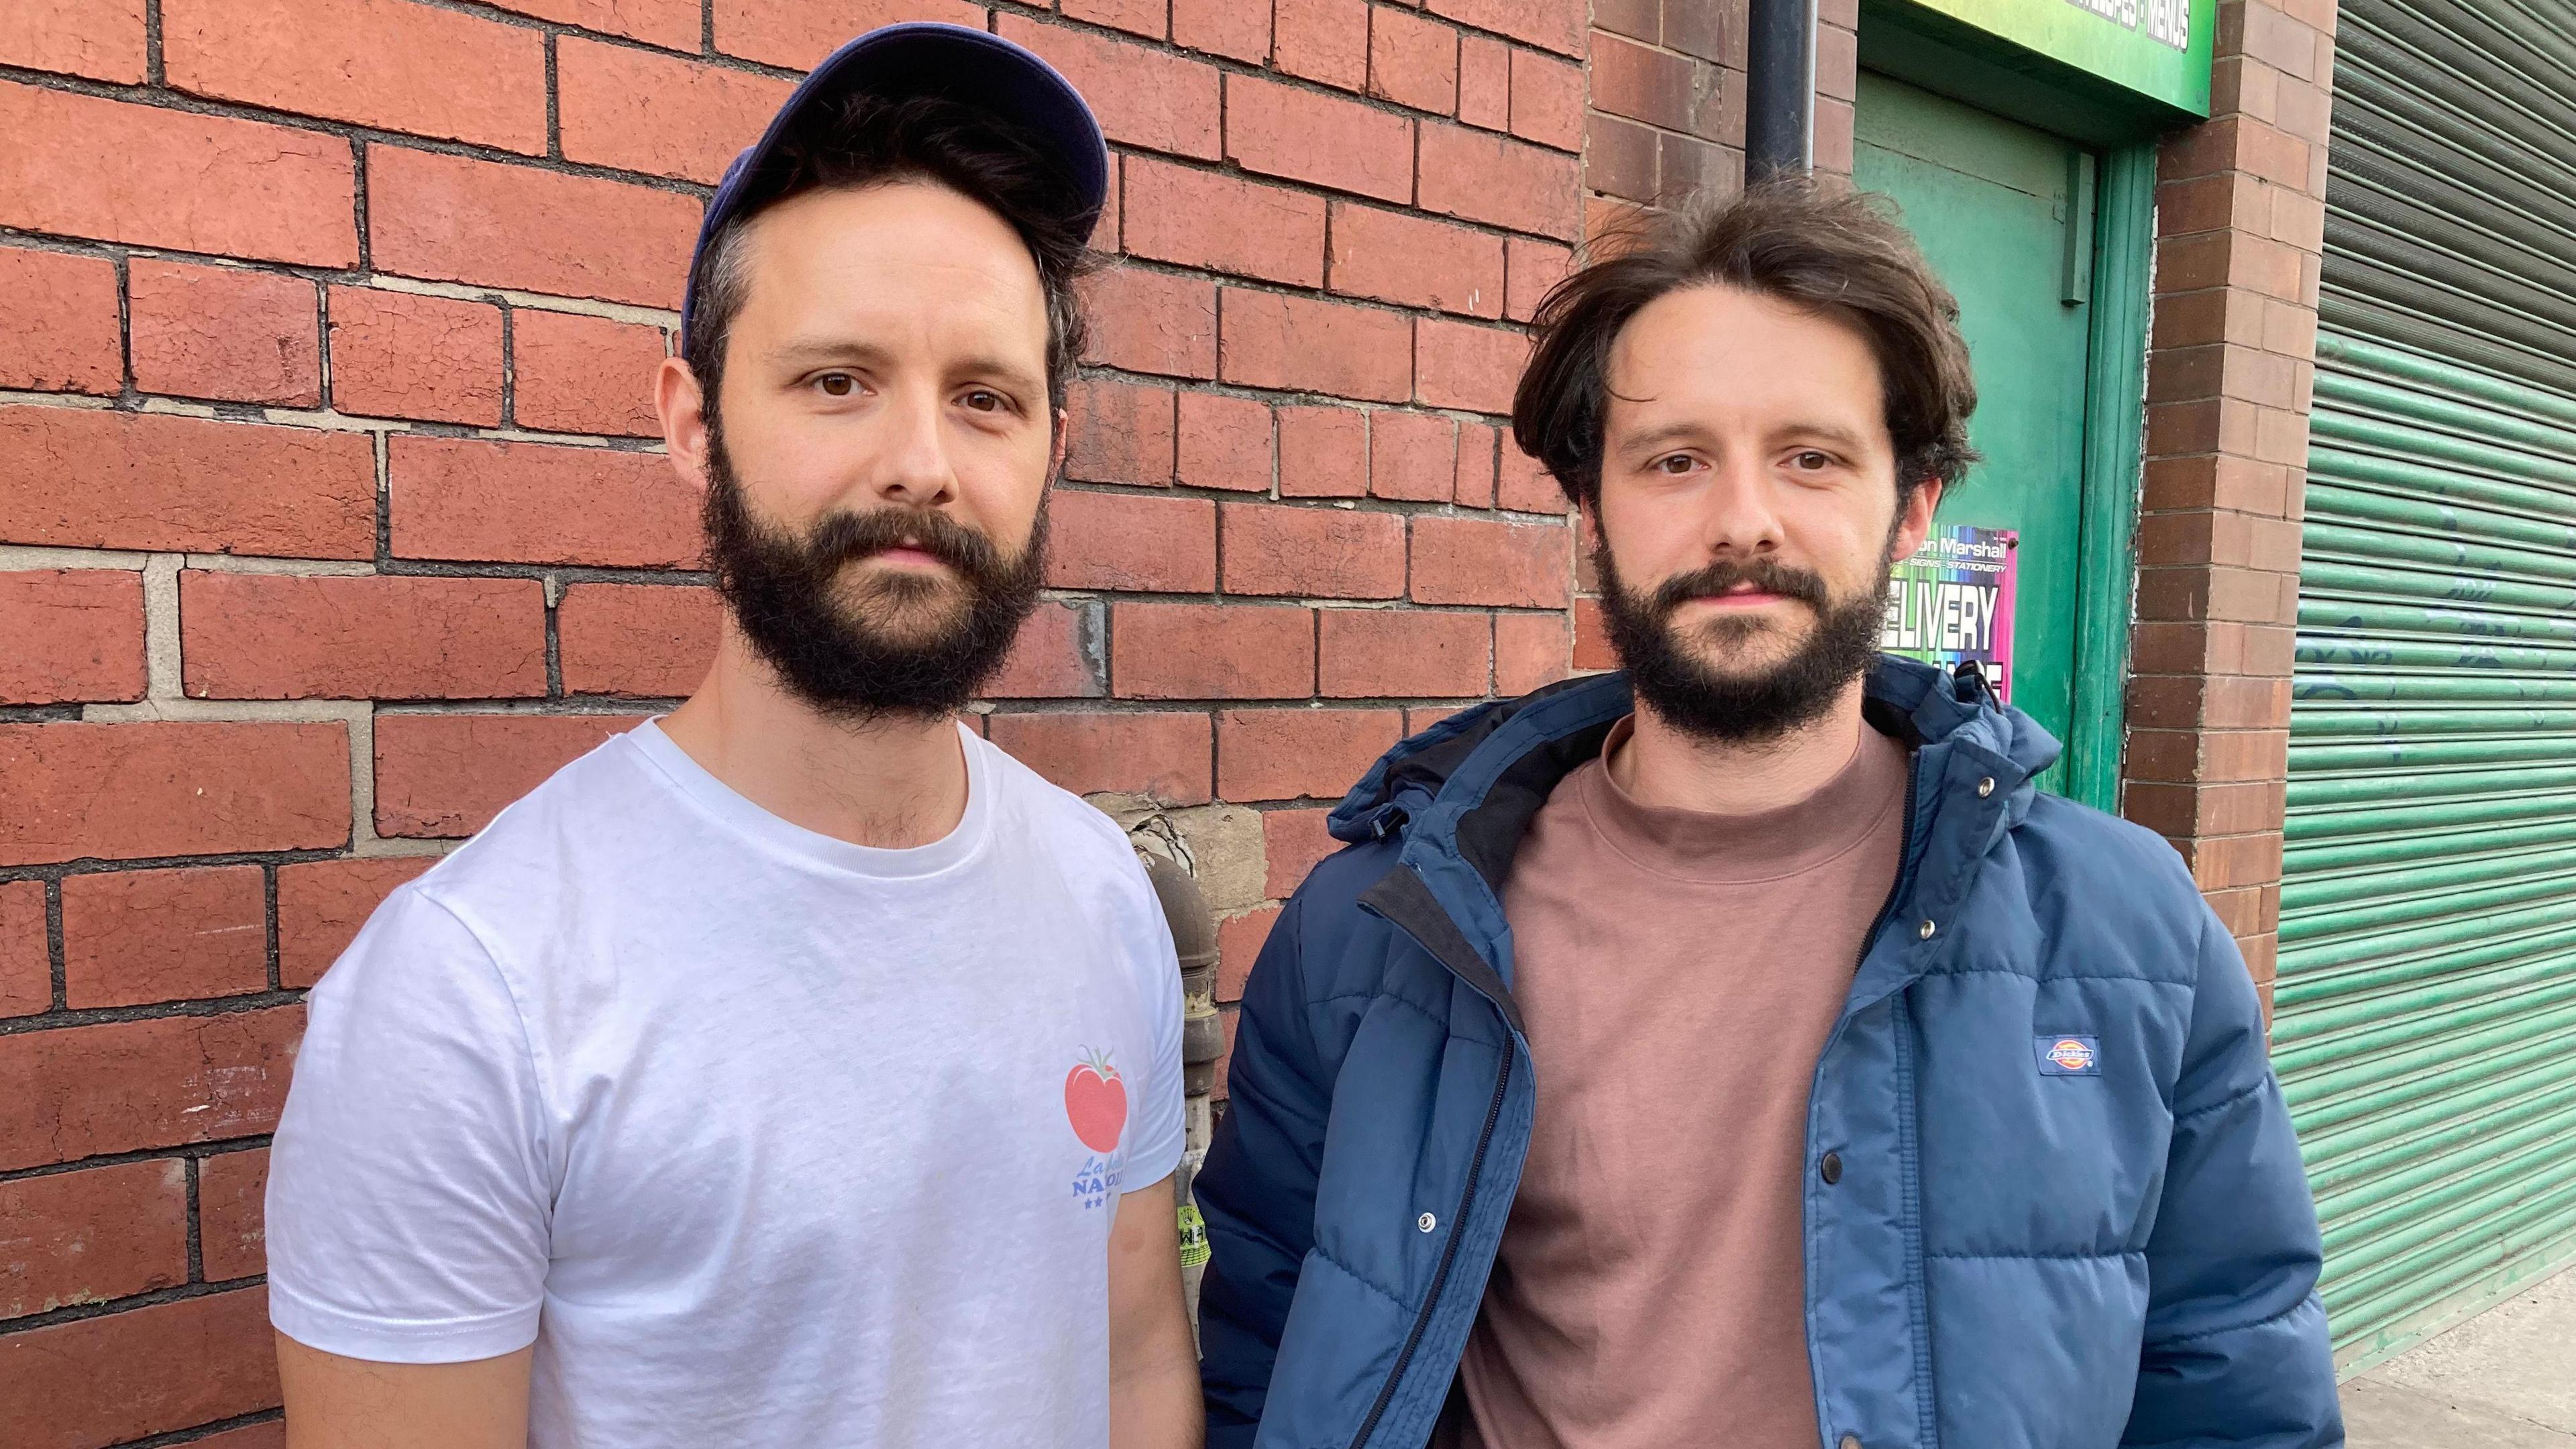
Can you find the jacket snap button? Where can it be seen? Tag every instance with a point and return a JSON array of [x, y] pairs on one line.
[[1831, 1168], [1426, 1222], [1851, 1441], [1985, 787], [1925, 930]]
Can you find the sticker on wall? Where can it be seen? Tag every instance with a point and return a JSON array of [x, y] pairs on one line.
[[1953, 602]]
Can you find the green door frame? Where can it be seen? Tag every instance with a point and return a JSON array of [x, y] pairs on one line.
[[1938, 54]]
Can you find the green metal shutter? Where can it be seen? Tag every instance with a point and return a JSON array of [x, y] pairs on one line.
[[2426, 1026]]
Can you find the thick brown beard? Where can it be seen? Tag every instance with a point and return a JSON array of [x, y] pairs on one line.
[[790, 598]]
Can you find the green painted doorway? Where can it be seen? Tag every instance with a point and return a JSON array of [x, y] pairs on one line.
[[2006, 214]]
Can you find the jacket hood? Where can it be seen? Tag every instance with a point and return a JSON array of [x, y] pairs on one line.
[[1917, 702]]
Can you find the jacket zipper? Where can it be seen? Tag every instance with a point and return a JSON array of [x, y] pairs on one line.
[[1448, 1254], [1868, 941]]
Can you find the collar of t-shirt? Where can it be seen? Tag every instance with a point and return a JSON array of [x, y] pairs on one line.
[[755, 826], [1698, 845]]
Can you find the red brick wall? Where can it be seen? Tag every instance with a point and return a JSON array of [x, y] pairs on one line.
[[330, 516]]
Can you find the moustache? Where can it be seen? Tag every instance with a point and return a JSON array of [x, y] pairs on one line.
[[841, 539], [1765, 575]]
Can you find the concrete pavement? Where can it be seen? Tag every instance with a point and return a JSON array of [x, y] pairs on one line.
[[2505, 1379]]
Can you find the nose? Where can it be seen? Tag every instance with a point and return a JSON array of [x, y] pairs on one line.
[[912, 467], [1739, 515]]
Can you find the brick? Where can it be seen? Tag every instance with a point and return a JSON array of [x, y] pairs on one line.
[[1473, 561], [1143, 96], [1412, 61], [1333, 553], [135, 937], [224, 332], [1592, 638], [1323, 140], [1147, 18], [267, 1434], [1693, 168], [1413, 456], [1268, 339], [1056, 655], [1620, 159], [124, 1376], [798, 33], [1525, 485], [1287, 754], [100, 39], [671, 24], [460, 498], [1323, 452], [1153, 322], [1462, 366], [389, 64], [445, 775], [1210, 651], [75, 634], [1635, 81], [1404, 653], [126, 1086], [1640, 18], [1390, 256], [1556, 25], [1121, 433], [90, 1237], [26, 958], [1162, 754], [1474, 484], [1531, 651], [84, 166], [65, 333], [402, 355], [653, 640], [1131, 541], [575, 374], [1717, 32], [1230, 28], [1484, 82], [1224, 443], [1322, 40], [1239, 939], [156, 788], [1500, 181], [1292, 841], [287, 636], [637, 111], [232, 1240], [1531, 268], [1223, 223], [1548, 95], [454, 219], [322, 903]]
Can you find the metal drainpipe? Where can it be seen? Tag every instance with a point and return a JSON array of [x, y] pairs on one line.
[[1780, 88], [1202, 1042]]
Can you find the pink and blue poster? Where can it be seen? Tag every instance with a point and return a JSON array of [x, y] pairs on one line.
[[1953, 602]]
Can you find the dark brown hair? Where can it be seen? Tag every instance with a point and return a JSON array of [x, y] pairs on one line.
[[1818, 245], [869, 141]]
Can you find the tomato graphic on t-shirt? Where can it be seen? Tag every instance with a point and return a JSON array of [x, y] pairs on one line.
[[1095, 1100]]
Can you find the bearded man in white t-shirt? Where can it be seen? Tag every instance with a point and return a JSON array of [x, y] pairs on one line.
[[798, 1070]]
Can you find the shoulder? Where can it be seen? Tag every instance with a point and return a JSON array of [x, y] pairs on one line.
[[2108, 896], [1067, 823], [554, 845]]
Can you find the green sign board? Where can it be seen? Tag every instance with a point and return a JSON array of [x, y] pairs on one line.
[[2156, 48]]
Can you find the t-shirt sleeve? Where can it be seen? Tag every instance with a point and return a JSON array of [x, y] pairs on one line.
[[1156, 1136], [408, 1196]]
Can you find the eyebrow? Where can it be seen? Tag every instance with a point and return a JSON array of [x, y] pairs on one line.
[[818, 352], [1657, 437]]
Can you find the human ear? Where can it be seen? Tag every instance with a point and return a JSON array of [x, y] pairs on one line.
[[682, 406]]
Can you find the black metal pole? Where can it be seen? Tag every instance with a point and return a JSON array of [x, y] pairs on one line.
[[1780, 89]]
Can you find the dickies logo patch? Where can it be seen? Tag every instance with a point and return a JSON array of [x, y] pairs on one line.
[[2068, 1056]]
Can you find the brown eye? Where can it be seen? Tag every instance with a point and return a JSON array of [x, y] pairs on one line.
[[984, 402], [837, 384], [1811, 460]]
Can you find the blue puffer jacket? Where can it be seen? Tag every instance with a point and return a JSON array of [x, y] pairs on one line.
[[2012, 1257]]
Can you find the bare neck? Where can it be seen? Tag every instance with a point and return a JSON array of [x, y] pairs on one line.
[[892, 783], [1661, 765]]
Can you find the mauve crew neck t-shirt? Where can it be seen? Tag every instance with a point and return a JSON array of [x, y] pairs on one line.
[[1679, 973]]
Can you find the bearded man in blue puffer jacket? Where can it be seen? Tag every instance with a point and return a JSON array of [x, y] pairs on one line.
[[1740, 1049]]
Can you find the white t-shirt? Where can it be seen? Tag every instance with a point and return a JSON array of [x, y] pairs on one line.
[[761, 1137]]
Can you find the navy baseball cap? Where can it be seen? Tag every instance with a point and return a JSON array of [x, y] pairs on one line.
[[929, 57]]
